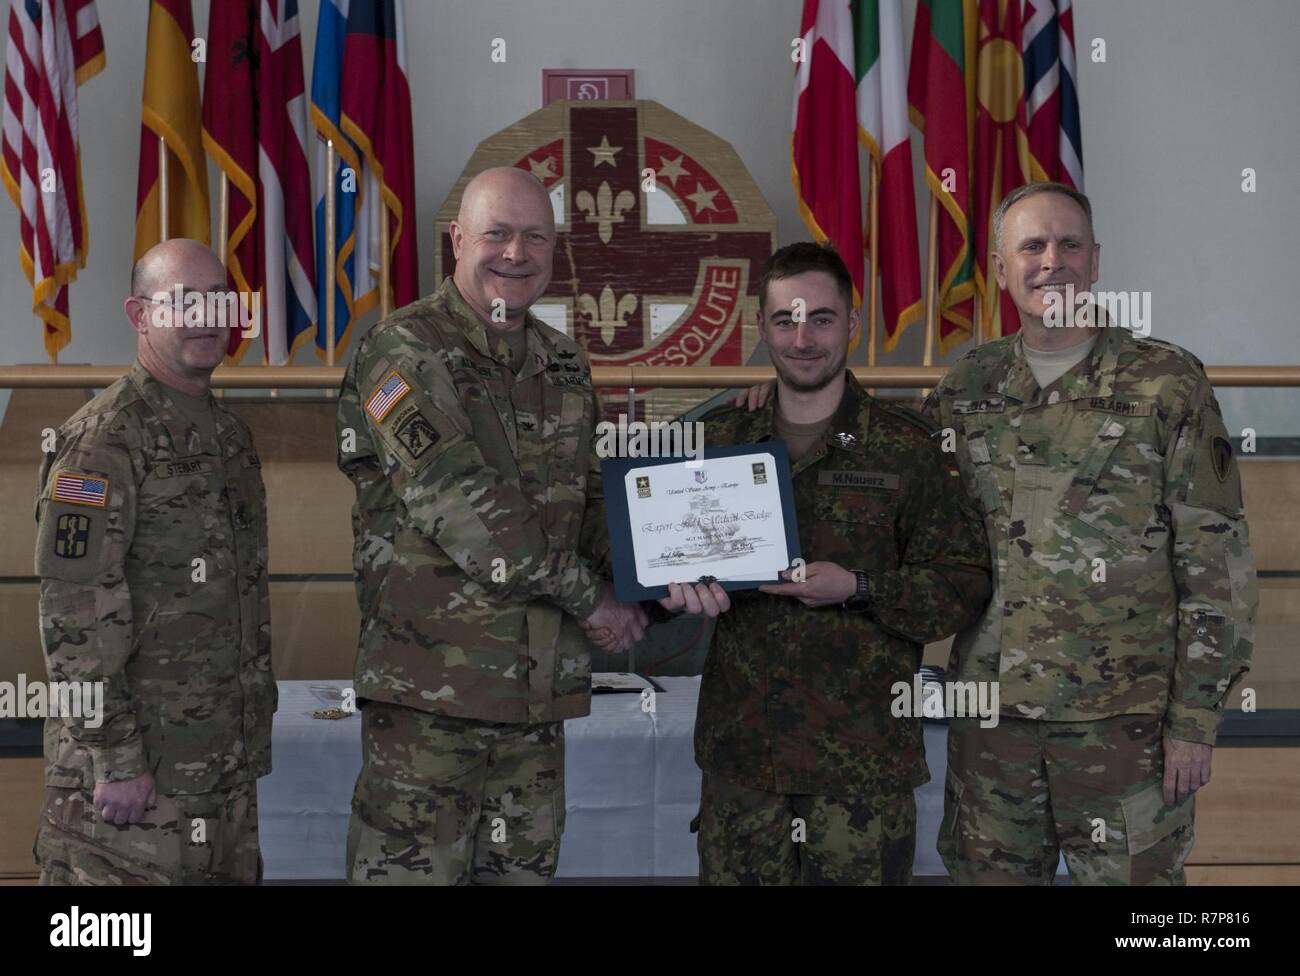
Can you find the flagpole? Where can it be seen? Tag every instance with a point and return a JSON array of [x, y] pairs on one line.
[[223, 229], [385, 263], [330, 245], [163, 224], [873, 264], [931, 309]]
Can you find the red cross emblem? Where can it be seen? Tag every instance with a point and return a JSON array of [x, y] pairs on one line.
[[657, 269]]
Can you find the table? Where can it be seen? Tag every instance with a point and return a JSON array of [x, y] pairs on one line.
[[631, 786]]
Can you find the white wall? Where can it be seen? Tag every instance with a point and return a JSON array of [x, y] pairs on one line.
[[1192, 92]]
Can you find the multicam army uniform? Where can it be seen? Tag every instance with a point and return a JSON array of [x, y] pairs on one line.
[[795, 707], [1122, 610], [131, 497], [472, 495]]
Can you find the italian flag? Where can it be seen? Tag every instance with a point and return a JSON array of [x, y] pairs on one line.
[[882, 127], [824, 147], [941, 94]]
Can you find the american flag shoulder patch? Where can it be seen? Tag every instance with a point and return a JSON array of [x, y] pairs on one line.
[[79, 489], [386, 396]]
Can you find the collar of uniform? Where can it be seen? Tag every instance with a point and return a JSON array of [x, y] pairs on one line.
[[490, 345], [185, 438], [847, 430], [1094, 377]]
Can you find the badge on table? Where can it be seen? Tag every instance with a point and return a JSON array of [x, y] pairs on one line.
[[728, 516]]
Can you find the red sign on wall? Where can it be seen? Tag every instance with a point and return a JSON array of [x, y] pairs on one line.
[[586, 85]]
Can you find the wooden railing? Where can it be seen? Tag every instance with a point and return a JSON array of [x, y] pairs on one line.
[[717, 377]]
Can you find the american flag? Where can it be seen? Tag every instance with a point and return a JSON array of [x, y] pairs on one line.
[[54, 46], [1051, 93], [255, 128], [80, 489], [383, 399]]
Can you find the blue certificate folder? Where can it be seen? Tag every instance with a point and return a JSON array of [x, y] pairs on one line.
[[613, 471]]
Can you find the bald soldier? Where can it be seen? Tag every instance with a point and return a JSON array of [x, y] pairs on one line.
[[151, 551], [467, 428], [1124, 587]]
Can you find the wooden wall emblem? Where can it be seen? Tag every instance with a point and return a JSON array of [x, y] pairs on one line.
[[666, 276]]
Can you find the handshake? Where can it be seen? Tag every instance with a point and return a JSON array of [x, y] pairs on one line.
[[616, 626]]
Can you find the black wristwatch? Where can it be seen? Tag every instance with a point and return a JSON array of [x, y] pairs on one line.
[[860, 601]]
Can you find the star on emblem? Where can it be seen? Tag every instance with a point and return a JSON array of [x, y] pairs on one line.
[[604, 153], [670, 170], [543, 170], [702, 198]]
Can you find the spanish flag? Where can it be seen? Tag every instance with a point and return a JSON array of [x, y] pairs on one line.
[[171, 110]]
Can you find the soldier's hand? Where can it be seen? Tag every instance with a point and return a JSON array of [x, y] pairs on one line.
[[753, 398], [1187, 769], [616, 626], [696, 599], [824, 584], [126, 801]]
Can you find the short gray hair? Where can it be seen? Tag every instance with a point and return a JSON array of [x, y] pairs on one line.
[[1033, 189]]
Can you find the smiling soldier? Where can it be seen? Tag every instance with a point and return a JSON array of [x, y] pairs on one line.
[[1124, 585], [152, 552], [477, 486]]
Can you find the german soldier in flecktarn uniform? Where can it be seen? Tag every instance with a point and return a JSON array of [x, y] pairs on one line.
[[467, 427], [1124, 585], [151, 551], [809, 769]]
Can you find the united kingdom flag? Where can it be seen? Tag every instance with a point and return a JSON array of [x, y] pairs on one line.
[[1051, 95], [255, 129]]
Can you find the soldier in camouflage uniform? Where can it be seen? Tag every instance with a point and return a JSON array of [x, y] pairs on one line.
[[1125, 592], [151, 551], [467, 427], [808, 772]]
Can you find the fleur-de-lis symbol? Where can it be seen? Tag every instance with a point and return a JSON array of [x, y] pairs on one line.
[[607, 316], [606, 210]]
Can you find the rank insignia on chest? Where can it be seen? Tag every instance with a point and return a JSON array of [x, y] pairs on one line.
[[991, 405], [79, 489], [844, 440], [416, 434], [388, 394], [71, 536]]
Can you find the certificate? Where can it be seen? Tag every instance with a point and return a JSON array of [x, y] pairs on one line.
[[726, 516]]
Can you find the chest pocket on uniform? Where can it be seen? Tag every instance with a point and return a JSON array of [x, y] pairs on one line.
[[179, 514], [1089, 497], [855, 528]]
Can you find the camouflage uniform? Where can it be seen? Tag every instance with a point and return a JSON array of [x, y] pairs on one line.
[[472, 504], [795, 706], [131, 497], [1124, 594]]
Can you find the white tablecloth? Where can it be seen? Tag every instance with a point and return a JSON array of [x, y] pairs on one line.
[[631, 785]]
